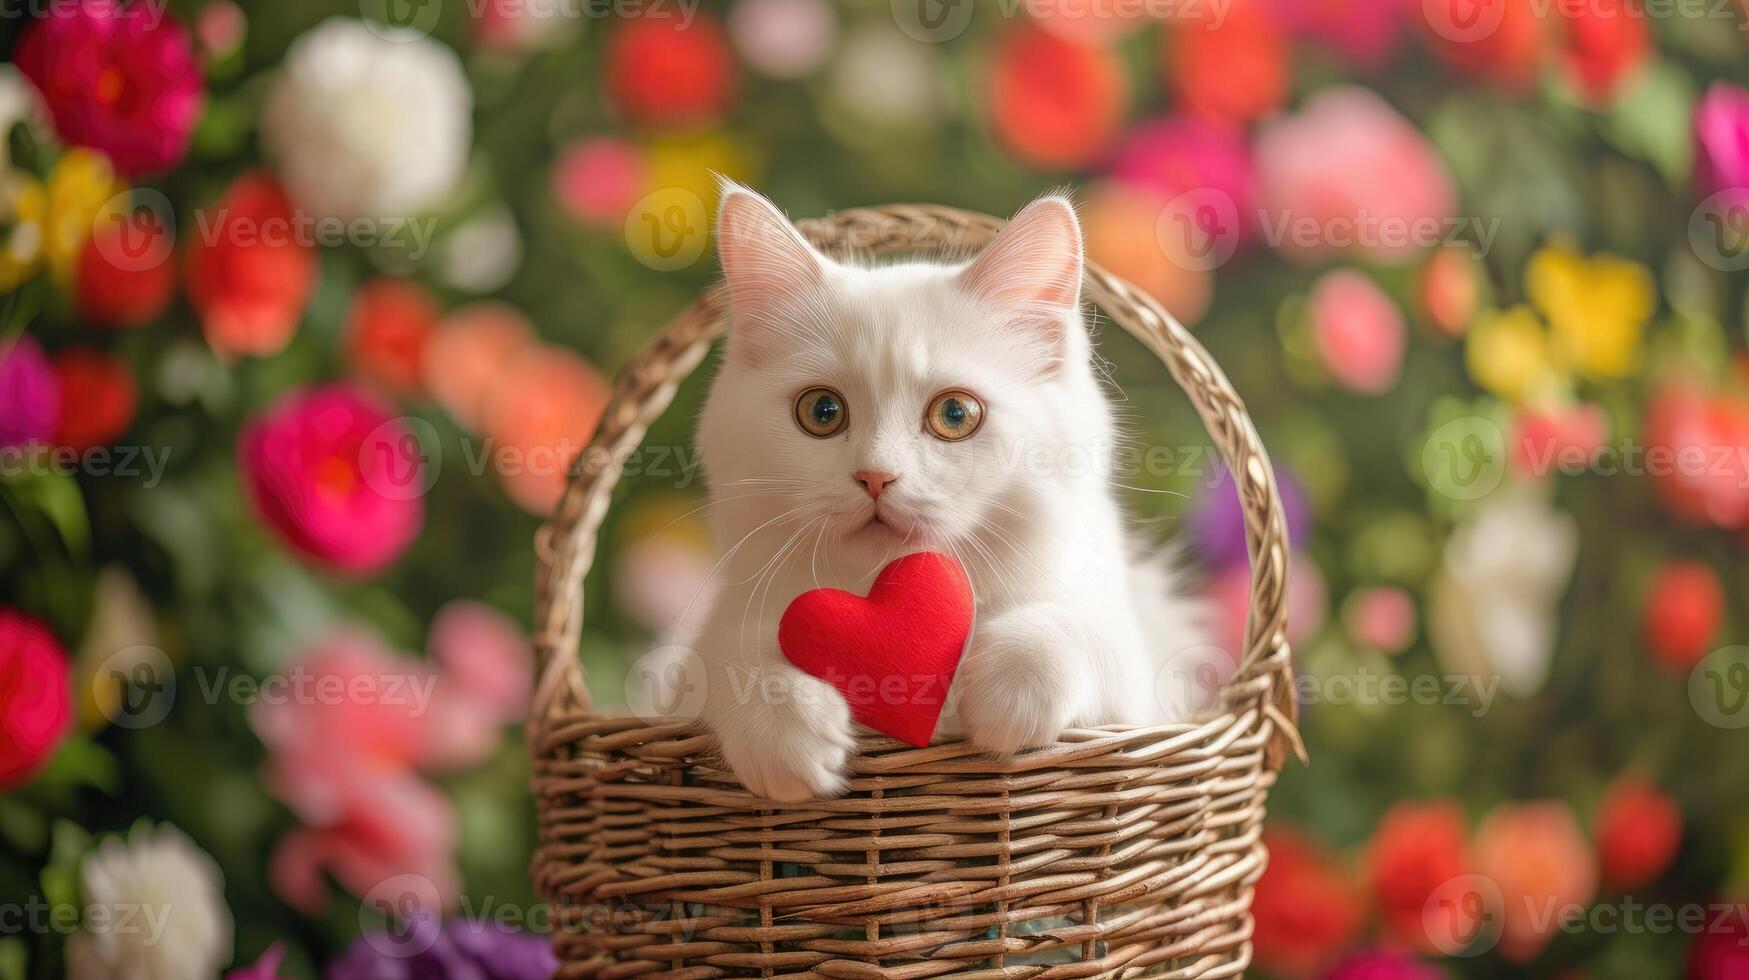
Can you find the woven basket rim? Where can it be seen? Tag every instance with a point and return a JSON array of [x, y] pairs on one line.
[[565, 544]]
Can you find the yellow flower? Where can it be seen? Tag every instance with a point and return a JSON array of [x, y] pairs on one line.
[[83, 190], [1507, 352], [1597, 308], [689, 161], [23, 209]]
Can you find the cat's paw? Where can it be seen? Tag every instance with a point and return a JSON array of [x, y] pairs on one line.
[[1018, 685], [792, 743]]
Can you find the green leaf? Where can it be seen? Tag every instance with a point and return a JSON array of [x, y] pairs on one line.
[[13, 959], [1652, 121], [70, 843]]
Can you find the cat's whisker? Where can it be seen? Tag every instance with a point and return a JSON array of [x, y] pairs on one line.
[[728, 555]]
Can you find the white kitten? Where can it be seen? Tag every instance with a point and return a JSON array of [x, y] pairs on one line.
[[862, 414]]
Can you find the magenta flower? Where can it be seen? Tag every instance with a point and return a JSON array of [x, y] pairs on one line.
[[1358, 331], [30, 397], [265, 968], [1369, 33], [121, 79], [1189, 155], [1721, 135], [336, 476], [1384, 965]]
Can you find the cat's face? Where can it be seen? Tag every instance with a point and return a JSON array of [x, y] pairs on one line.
[[907, 405]]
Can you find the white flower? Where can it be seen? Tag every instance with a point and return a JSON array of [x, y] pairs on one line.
[[1492, 607], [19, 102], [367, 123], [154, 910]]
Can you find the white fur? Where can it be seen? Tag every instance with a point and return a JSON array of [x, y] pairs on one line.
[[1069, 631]]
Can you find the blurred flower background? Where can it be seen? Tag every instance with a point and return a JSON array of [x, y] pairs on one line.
[[309, 305]]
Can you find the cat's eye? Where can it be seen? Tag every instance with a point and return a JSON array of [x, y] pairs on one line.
[[954, 415], [821, 412]]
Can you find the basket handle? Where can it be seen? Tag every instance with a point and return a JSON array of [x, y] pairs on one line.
[[565, 545]]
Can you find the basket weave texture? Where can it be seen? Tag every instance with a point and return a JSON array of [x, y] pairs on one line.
[[1123, 851]]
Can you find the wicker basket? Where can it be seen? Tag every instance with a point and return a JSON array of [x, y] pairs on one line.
[[1117, 852]]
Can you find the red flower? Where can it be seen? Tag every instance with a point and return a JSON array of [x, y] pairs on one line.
[[1237, 71], [1499, 40], [1305, 908], [387, 330], [97, 398], [249, 272], [123, 79], [1638, 832], [1602, 43], [124, 276], [36, 699], [1683, 610], [662, 71], [1686, 427], [1055, 103], [1417, 848], [336, 476]]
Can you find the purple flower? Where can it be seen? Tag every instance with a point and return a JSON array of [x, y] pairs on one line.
[[265, 968], [1217, 523], [1721, 134], [461, 950], [30, 398]]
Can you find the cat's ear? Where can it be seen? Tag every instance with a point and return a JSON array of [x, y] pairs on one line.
[[766, 261], [1034, 263]]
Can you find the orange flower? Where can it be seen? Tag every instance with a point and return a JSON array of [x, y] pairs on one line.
[[386, 333], [542, 413], [1545, 871], [471, 349]]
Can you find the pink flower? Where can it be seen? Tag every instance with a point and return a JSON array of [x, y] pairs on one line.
[[336, 476], [1384, 965], [598, 180], [1721, 135], [265, 968], [487, 674], [1381, 618], [344, 737], [1229, 592], [30, 397], [1546, 439], [1368, 33], [1358, 331], [1189, 155], [121, 79], [1349, 174]]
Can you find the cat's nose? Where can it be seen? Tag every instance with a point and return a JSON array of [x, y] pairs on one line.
[[874, 481]]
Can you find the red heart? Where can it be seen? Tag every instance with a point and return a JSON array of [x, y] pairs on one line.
[[892, 655]]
